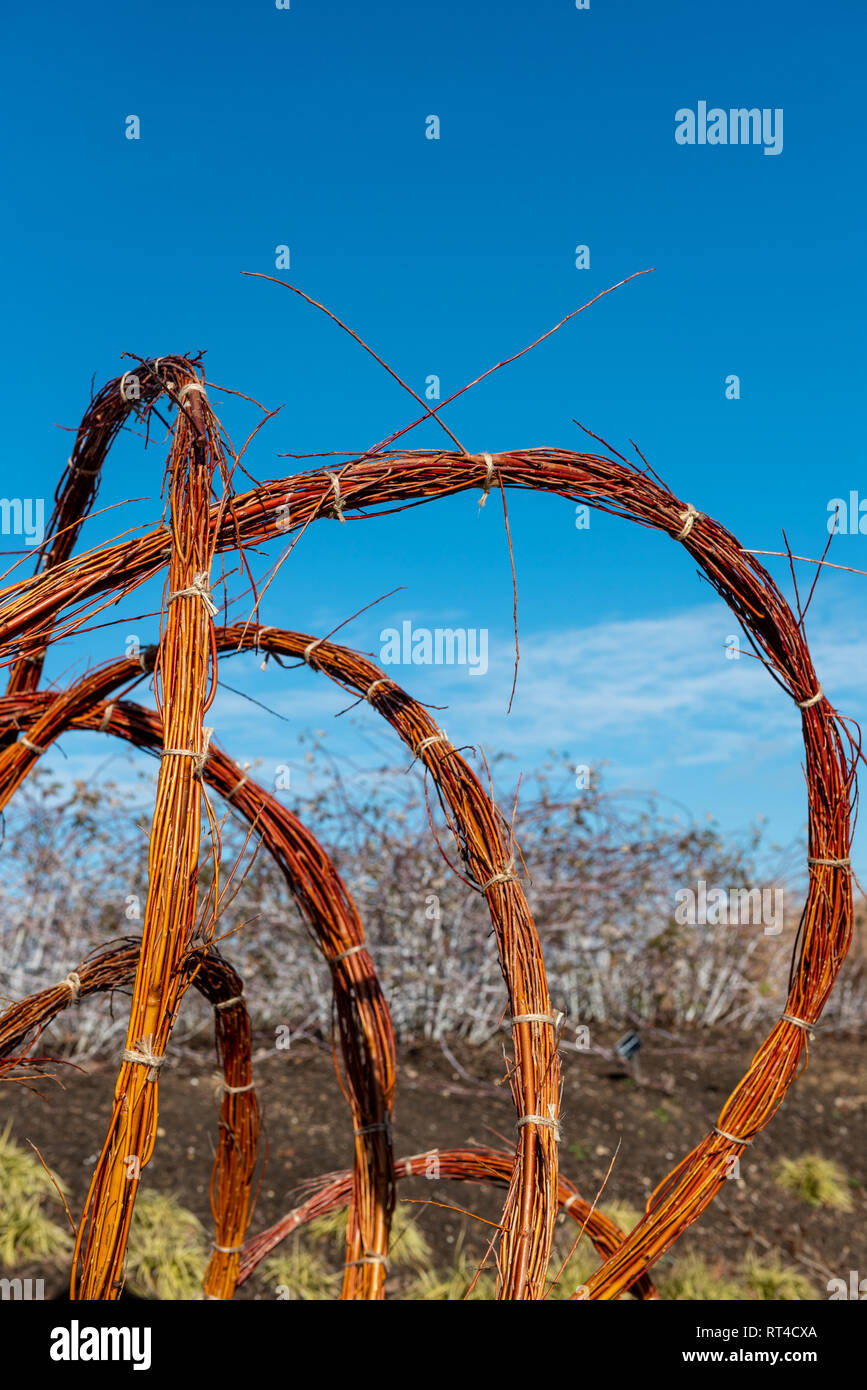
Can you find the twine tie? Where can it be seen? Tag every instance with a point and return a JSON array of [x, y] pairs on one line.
[[199, 588], [337, 510], [142, 1055], [689, 518]]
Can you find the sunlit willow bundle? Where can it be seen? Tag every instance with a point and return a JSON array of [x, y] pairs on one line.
[[210, 525]]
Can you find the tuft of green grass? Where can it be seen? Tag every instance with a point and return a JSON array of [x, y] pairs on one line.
[[815, 1180], [26, 1231], [453, 1285], [21, 1173], [301, 1273], [436, 1286], [573, 1274], [622, 1214], [167, 1257], [772, 1280], [584, 1259], [692, 1280], [408, 1244]]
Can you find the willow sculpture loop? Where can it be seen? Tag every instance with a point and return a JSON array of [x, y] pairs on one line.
[[206, 518]]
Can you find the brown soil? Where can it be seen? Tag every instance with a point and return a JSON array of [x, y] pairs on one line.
[[684, 1083]]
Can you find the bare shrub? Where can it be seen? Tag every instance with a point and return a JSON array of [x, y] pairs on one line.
[[603, 870]]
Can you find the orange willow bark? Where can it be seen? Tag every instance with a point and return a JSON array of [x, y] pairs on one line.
[[181, 681]]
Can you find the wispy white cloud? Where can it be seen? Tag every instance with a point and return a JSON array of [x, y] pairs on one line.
[[655, 698]]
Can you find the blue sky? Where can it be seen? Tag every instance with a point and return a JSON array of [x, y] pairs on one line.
[[306, 127]]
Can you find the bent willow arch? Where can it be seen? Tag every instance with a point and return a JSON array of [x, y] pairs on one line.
[[208, 518]]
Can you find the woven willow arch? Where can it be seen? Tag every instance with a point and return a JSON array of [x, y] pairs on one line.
[[68, 589]]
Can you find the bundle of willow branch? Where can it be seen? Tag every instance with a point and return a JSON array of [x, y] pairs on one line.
[[113, 968], [182, 683]]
